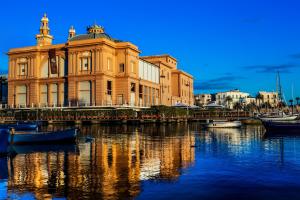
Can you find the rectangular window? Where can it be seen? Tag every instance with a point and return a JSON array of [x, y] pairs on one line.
[[84, 64], [44, 95], [62, 66], [109, 87], [23, 69], [121, 67], [132, 87], [21, 95], [84, 92], [141, 91], [54, 94]]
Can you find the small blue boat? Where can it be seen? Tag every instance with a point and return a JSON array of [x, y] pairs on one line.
[[68, 135], [9, 137], [21, 126]]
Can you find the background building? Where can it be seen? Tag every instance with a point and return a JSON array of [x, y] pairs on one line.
[[250, 100], [93, 69], [202, 99], [270, 98], [176, 85], [231, 97]]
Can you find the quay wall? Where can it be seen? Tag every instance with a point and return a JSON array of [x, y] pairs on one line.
[[110, 115]]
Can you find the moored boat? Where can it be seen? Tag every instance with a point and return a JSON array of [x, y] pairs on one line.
[[282, 127], [223, 124], [68, 135]]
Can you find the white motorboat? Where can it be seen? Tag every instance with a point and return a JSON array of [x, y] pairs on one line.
[[224, 124]]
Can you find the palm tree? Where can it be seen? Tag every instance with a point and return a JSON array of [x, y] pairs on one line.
[[259, 98], [297, 100], [237, 106], [266, 105], [228, 100], [251, 107]]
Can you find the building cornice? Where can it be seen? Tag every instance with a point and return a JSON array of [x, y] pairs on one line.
[[177, 71]]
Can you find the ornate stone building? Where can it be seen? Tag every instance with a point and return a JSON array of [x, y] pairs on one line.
[[92, 69]]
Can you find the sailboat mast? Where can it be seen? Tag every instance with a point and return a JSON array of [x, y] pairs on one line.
[[278, 87]]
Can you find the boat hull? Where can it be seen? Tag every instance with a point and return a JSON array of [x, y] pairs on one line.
[[233, 124], [283, 128], [47, 137]]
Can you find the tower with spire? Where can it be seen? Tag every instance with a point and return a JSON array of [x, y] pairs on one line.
[[44, 38], [72, 32]]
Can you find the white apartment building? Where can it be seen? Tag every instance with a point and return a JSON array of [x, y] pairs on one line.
[[229, 98]]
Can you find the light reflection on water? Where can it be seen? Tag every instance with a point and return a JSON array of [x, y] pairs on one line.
[[157, 162]]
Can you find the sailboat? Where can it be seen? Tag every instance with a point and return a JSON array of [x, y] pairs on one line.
[[279, 116]]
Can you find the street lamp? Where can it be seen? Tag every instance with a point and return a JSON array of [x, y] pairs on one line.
[[187, 107], [188, 85]]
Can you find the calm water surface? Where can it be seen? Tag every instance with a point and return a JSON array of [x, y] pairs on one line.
[[157, 162]]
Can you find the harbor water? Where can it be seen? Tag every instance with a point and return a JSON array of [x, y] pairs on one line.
[[174, 161]]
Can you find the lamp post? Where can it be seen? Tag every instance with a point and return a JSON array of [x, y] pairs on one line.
[[187, 107], [188, 85]]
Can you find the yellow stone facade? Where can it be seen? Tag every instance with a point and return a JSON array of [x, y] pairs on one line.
[[92, 69]]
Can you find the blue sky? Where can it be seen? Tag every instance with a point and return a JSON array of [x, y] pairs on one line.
[[225, 44]]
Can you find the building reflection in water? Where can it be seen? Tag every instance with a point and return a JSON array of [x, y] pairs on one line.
[[111, 166]]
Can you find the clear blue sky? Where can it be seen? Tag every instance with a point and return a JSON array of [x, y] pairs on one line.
[[225, 44]]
